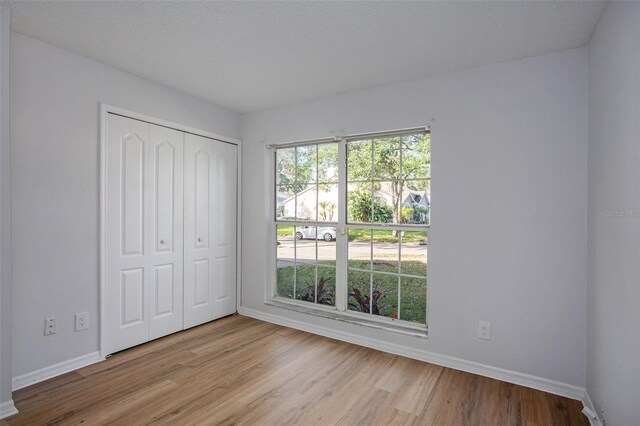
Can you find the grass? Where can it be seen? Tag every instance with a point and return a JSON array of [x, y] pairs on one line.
[[412, 290], [356, 234]]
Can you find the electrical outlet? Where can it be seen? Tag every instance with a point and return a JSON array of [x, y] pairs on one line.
[[484, 330], [82, 321], [49, 326]]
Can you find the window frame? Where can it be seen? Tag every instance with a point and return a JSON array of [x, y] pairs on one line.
[[340, 311]]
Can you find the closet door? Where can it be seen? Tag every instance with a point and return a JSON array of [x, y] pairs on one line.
[[165, 223], [127, 233], [224, 233], [209, 231]]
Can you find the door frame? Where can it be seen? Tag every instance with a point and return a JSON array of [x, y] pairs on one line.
[[106, 109]]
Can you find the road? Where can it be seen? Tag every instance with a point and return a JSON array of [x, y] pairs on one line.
[[306, 250]]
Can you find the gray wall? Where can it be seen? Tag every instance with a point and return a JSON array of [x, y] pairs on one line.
[[5, 210], [55, 186], [613, 344], [508, 236]]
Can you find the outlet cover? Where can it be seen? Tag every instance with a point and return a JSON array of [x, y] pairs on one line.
[[82, 321], [484, 330], [49, 326]]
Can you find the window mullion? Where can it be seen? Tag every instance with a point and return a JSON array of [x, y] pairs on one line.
[[342, 234]]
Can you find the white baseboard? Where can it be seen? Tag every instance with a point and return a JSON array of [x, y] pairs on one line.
[[586, 401], [7, 409], [534, 382], [55, 370]]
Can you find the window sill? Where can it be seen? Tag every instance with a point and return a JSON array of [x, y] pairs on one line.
[[415, 331]]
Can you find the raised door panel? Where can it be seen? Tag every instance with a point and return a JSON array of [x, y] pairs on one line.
[[132, 193], [127, 233], [199, 198], [166, 223], [225, 213]]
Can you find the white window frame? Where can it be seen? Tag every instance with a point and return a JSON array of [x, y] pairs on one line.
[[340, 311]]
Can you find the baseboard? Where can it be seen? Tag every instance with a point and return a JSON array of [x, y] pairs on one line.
[[586, 402], [7, 409], [55, 370], [534, 382]]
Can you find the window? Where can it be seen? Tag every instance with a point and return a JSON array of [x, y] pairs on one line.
[[352, 226]]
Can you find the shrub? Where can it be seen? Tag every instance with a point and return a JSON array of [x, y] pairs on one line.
[[360, 208], [326, 296]]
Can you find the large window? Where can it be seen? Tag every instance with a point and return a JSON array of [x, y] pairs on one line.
[[352, 226]]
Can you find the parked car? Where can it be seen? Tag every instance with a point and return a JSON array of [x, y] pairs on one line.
[[309, 232]]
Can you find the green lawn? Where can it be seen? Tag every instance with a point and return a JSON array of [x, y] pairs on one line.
[[380, 236], [412, 290]]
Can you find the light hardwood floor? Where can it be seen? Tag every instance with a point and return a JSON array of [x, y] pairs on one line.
[[238, 370]]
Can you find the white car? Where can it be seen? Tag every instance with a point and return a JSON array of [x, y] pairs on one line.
[[324, 233]]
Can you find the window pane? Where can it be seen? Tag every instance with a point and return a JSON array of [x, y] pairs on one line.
[[416, 157], [413, 299], [359, 160], [305, 282], [306, 164], [359, 249], [285, 166], [285, 203], [328, 162], [327, 245], [385, 295], [325, 286], [285, 279], [414, 253], [284, 244], [415, 202], [306, 244], [328, 202], [386, 158], [385, 251], [306, 203], [359, 289]]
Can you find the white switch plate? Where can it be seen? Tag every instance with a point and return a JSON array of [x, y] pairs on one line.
[[484, 330], [82, 321], [49, 326]]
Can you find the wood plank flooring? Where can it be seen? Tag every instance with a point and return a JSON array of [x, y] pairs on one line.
[[238, 370]]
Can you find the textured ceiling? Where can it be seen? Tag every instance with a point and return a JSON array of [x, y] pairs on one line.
[[248, 56]]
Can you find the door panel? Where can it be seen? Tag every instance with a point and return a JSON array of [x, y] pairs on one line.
[[164, 291], [132, 166], [132, 290], [166, 223], [127, 230], [202, 283], [225, 212], [198, 184], [210, 199], [202, 193]]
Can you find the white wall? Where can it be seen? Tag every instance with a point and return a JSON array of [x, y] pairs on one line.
[[613, 344], [55, 183], [508, 237], [5, 210]]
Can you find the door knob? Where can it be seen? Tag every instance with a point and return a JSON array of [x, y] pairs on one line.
[[199, 240], [162, 241]]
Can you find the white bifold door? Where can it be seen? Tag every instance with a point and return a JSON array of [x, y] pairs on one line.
[[161, 183], [209, 230]]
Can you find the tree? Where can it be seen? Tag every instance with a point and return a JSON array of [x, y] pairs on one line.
[[391, 162], [298, 167]]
